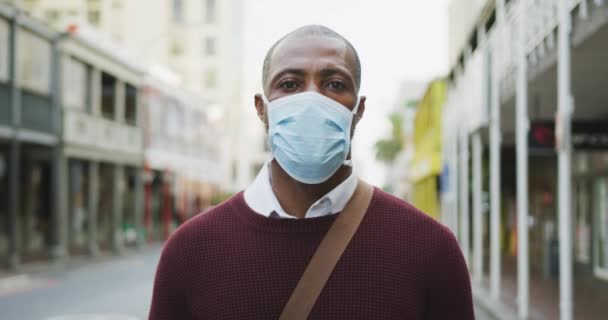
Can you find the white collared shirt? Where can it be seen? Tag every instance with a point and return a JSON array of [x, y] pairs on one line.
[[260, 197]]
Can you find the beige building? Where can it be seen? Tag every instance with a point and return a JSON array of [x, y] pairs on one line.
[[199, 40]]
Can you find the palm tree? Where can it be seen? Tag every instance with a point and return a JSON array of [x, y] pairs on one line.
[[388, 149]]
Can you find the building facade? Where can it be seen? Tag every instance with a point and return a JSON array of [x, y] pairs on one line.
[[525, 136], [98, 151], [199, 40], [29, 137]]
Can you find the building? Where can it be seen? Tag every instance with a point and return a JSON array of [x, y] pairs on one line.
[[525, 122], [182, 160], [199, 40], [29, 139], [98, 151], [102, 144]]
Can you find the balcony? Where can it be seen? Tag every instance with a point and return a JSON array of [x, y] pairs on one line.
[[93, 132]]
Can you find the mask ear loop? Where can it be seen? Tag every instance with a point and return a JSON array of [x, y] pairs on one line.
[[349, 162], [265, 100]]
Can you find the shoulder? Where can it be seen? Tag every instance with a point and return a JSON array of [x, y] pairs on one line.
[[401, 213], [200, 228]]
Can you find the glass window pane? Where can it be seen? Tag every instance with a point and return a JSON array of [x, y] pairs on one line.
[[74, 83], [210, 46], [178, 11], [34, 60], [210, 79], [4, 50], [210, 11]]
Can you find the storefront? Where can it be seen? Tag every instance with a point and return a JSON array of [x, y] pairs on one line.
[[591, 214], [3, 203]]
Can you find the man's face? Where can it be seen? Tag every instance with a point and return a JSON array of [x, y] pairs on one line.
[[312, 63]]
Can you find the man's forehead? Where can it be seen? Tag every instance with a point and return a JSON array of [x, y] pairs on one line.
[[296, 49]]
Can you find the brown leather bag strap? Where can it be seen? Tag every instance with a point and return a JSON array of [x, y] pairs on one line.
[[323, 262]]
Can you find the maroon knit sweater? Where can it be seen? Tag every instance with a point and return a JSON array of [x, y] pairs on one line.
[[232, 263]]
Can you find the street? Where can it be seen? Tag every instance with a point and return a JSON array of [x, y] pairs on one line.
[[113, 288], [110, 289]]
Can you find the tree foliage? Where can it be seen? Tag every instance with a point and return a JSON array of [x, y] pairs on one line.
[[388, 149]]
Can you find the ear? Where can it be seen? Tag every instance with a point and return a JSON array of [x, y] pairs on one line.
[[260, 108]]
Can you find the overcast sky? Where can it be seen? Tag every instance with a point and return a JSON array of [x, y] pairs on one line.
[[397, 40]]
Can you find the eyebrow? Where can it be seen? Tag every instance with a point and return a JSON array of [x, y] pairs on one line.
[[296, 71], [326, 72]]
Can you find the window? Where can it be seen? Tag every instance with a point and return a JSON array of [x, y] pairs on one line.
[[34, 62], [108, 95], [209, 47], [94, 16], [74, 83], [52, 16], [210, 11], [178, 11], [210, 79], [177, 49], [131, 105]]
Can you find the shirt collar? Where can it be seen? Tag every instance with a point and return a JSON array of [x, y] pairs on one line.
[[260, 197]]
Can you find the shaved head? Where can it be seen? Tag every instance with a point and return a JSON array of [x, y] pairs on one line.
[[313, 31]]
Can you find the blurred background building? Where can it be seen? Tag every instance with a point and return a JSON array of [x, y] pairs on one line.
[[525, 146], [119, 121], [200, 41]]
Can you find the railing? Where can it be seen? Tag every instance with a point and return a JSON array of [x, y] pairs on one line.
[[99, 133]]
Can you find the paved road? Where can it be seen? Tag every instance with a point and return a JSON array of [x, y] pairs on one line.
[[118, 288]]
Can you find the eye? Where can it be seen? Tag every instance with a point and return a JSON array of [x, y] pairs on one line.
[[288, 85], [336, 85]]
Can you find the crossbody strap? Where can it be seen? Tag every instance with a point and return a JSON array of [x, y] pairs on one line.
[[323, 262]]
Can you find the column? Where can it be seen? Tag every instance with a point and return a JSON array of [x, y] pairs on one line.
[[117, 208], [139, 208], [495, 142], [522, 127], [464, 193], [14, 161], [455, 182], [477, 208], [14, 186], [59, 166], [93, 199], [565, 105], [60, 209]]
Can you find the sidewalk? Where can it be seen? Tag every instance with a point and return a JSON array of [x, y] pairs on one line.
[[38, 274], [590, 297]]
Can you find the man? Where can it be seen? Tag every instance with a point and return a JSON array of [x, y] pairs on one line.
[[243, 259]]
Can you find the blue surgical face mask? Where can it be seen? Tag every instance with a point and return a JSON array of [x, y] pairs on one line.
[[309, 135]]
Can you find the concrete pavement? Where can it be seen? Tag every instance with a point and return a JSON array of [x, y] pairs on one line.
[[118, 288]]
